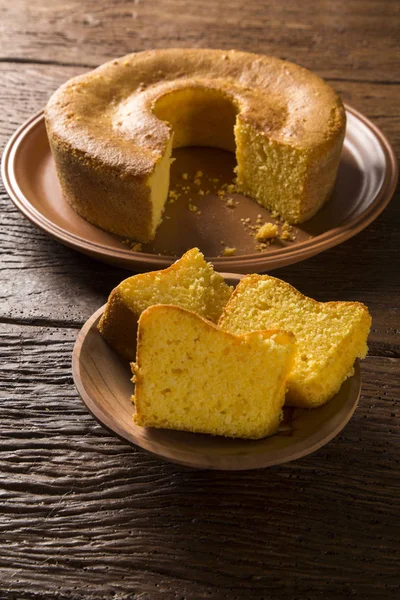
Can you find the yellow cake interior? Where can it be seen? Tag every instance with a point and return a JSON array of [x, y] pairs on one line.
[[199, 117], [191, 283], [192, 376], [330, 336], [158, 183], [271, 172]]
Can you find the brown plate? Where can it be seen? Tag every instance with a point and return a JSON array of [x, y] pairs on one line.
[[103, 380], [366, 181]]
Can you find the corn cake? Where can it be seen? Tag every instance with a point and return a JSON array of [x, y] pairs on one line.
[[112, 131], [190, 282], [190, 375], [330, 336]]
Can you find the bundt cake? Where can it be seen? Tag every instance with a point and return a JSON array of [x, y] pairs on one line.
[[193, 376], [190, 282], [112, 131], [329, 335]]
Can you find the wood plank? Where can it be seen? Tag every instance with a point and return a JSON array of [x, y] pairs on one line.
[[87, 516], [352, 40]]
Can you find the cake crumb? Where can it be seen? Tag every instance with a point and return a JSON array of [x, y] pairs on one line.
[[228, 251], [197, 181], [267, 231], [198, 174], [286, 233], [262, 246], [230, 203], [192, 207], [172, 196], [136, 247], [201, 192], [185, 176]]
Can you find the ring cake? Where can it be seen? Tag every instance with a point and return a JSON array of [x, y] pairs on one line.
[[112, 131]]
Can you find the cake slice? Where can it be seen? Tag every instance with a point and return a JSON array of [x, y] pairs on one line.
[[190, 282], [330, 336], [191, 375]]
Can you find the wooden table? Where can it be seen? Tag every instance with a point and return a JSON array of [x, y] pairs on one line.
[[85, 516]]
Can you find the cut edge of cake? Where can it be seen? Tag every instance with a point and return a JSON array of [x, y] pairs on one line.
[[215, 382], [320, 386], [205, 292]]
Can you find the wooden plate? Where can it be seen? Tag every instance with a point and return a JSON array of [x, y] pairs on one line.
[[366, 181], [102, 379]]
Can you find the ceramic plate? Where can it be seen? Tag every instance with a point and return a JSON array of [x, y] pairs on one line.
[[103, 380], [366, 181]]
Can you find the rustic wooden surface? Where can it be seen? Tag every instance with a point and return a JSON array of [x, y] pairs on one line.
[[84, 516]]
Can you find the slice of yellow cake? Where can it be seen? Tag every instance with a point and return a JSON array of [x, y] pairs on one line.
[[190, 282], [329, 335], [193, 376]]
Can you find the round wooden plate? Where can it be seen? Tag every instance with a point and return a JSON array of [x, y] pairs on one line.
[[103, 380], [366, 181]]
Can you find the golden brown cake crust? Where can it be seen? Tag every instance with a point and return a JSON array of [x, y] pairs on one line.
[[118, 326], [254, 278], [106, 113], [119, 322], [107, 141]]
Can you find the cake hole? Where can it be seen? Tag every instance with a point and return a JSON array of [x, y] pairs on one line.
[[199, 117]]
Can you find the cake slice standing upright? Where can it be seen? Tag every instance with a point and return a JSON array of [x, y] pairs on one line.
[[190, 282], [330, 335], [191, 375]]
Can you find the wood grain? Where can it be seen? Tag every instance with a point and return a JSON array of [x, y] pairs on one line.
[[356, 40], [86, 516]]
